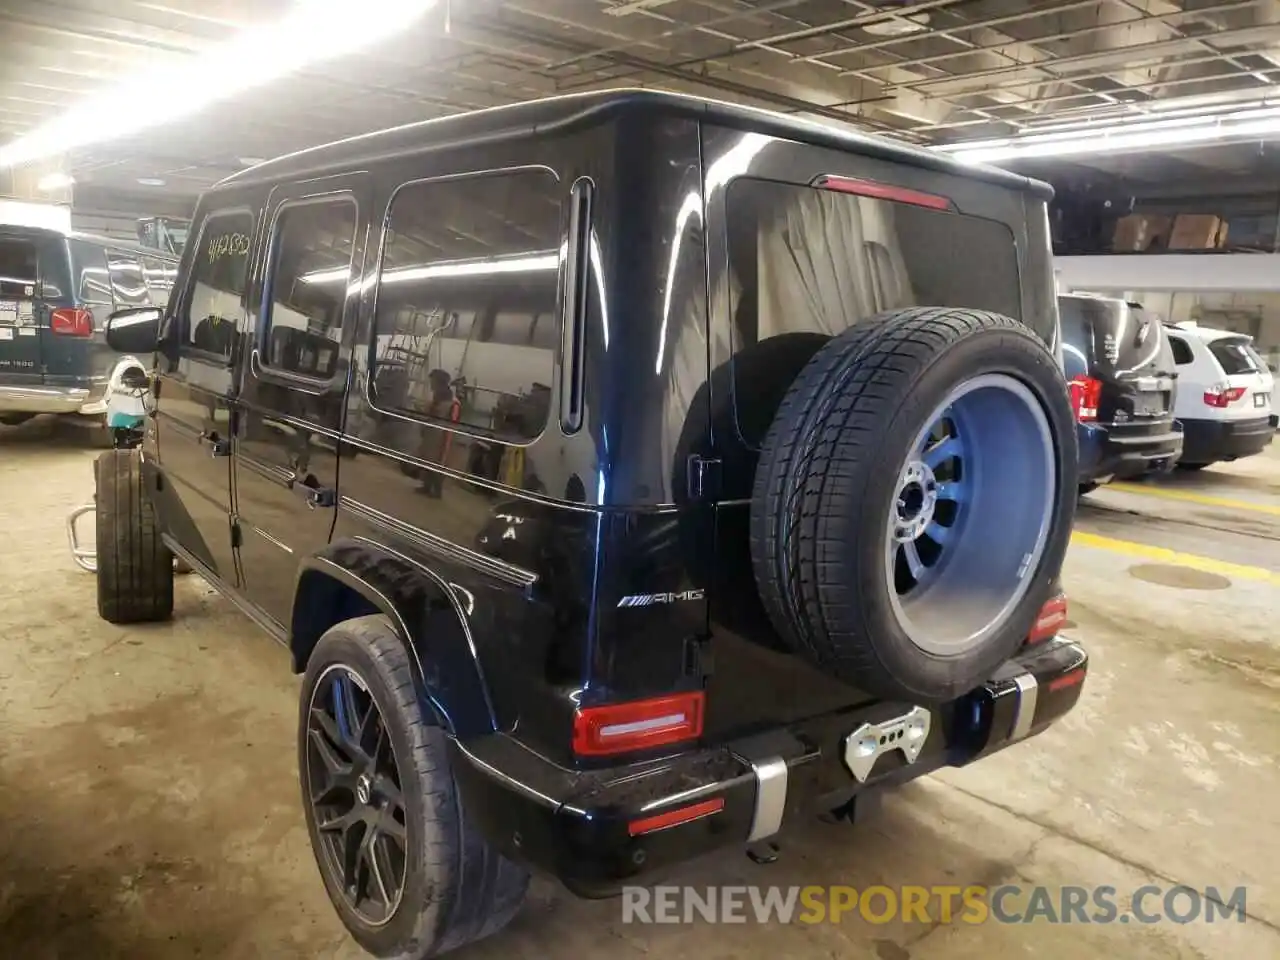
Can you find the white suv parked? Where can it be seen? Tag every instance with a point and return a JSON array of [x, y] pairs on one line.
[[1224, 395]]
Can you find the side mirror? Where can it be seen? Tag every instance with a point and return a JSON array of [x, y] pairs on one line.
[[135, 330]]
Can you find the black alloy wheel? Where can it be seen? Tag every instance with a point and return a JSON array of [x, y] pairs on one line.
[[353, 785]]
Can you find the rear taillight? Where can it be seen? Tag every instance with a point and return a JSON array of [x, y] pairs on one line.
[[637, 725], [1051, 618], [1220, 396], [1086, 393], [71, 322]]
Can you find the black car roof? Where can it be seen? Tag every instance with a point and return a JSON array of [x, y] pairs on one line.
[[538, 116]]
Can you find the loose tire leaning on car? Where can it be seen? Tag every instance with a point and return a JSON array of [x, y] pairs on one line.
[[134, 568], [914, 499]]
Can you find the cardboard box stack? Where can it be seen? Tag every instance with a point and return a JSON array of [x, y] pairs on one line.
[[1141, 231]]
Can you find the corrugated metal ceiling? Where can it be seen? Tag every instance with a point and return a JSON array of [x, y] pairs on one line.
[[928, 71]]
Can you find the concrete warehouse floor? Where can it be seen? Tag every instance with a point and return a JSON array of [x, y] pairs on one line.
[[149, 807]]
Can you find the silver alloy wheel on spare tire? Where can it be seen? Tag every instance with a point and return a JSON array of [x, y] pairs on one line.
[[975, 494], [913, 500]]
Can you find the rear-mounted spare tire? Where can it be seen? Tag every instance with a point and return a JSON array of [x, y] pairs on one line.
[[914, 499]]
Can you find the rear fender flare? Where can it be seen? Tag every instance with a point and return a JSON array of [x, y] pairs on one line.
[[357, 577]]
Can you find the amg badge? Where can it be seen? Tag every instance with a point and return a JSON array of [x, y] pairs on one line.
[[648, 599]]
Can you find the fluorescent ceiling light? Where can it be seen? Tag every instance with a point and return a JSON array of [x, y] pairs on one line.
[[457, 268], [54, 181], [151, 181], [313, 31], [898, 26], [1115, 137]]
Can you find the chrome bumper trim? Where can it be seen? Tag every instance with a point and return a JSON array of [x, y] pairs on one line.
[[38, 399], [1028, 693]]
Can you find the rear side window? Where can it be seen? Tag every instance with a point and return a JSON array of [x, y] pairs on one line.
[[128, 287], [467, 304], [809, 261], [17, 269], [307, 289], [1181, 351], [92, 281], [219, 268], [1234, 356], [158, 275]]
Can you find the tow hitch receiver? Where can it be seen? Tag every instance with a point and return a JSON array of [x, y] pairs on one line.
[[906, 734]]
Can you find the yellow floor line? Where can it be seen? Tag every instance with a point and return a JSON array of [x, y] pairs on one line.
[[1205, 499], [1143, 551]]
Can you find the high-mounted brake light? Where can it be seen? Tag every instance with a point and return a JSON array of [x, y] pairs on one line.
[[1051, 618], [1086, 394], [882, 191], [637, 725], [71, 322], [1220, 396]]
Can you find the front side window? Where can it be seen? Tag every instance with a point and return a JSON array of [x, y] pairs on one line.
[[219, 270], [128, 287], [467, 308], [307, 290]]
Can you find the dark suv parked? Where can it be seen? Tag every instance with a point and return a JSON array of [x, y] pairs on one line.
[[1123, 382], [629, 475]]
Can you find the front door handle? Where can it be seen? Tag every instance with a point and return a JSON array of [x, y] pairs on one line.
[[316, 496], [217, 446]]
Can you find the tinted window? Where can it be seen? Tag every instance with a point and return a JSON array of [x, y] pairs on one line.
[[809, 261], [218, 271], [467, 301], [1181, 351], [1077, 339], [310, 275], [1234, 356], [17, 268], [1111, 337], [128, 287]]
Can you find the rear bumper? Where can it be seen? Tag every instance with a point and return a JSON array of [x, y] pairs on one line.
[[574, 825], [1108, 451], [41, 399], [1208, 441]]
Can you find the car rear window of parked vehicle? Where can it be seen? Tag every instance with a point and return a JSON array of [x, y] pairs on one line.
[[308, 285], [467, 304], [218, 271], [1182, 354], [806, 260], [1234, 356], [17, 268]]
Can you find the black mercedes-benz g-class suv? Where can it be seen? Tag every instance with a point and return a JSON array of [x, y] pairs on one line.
[[629, 475]]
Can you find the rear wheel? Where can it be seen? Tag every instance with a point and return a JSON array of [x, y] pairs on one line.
[[134, 568], [405, 871], [914, 499]]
